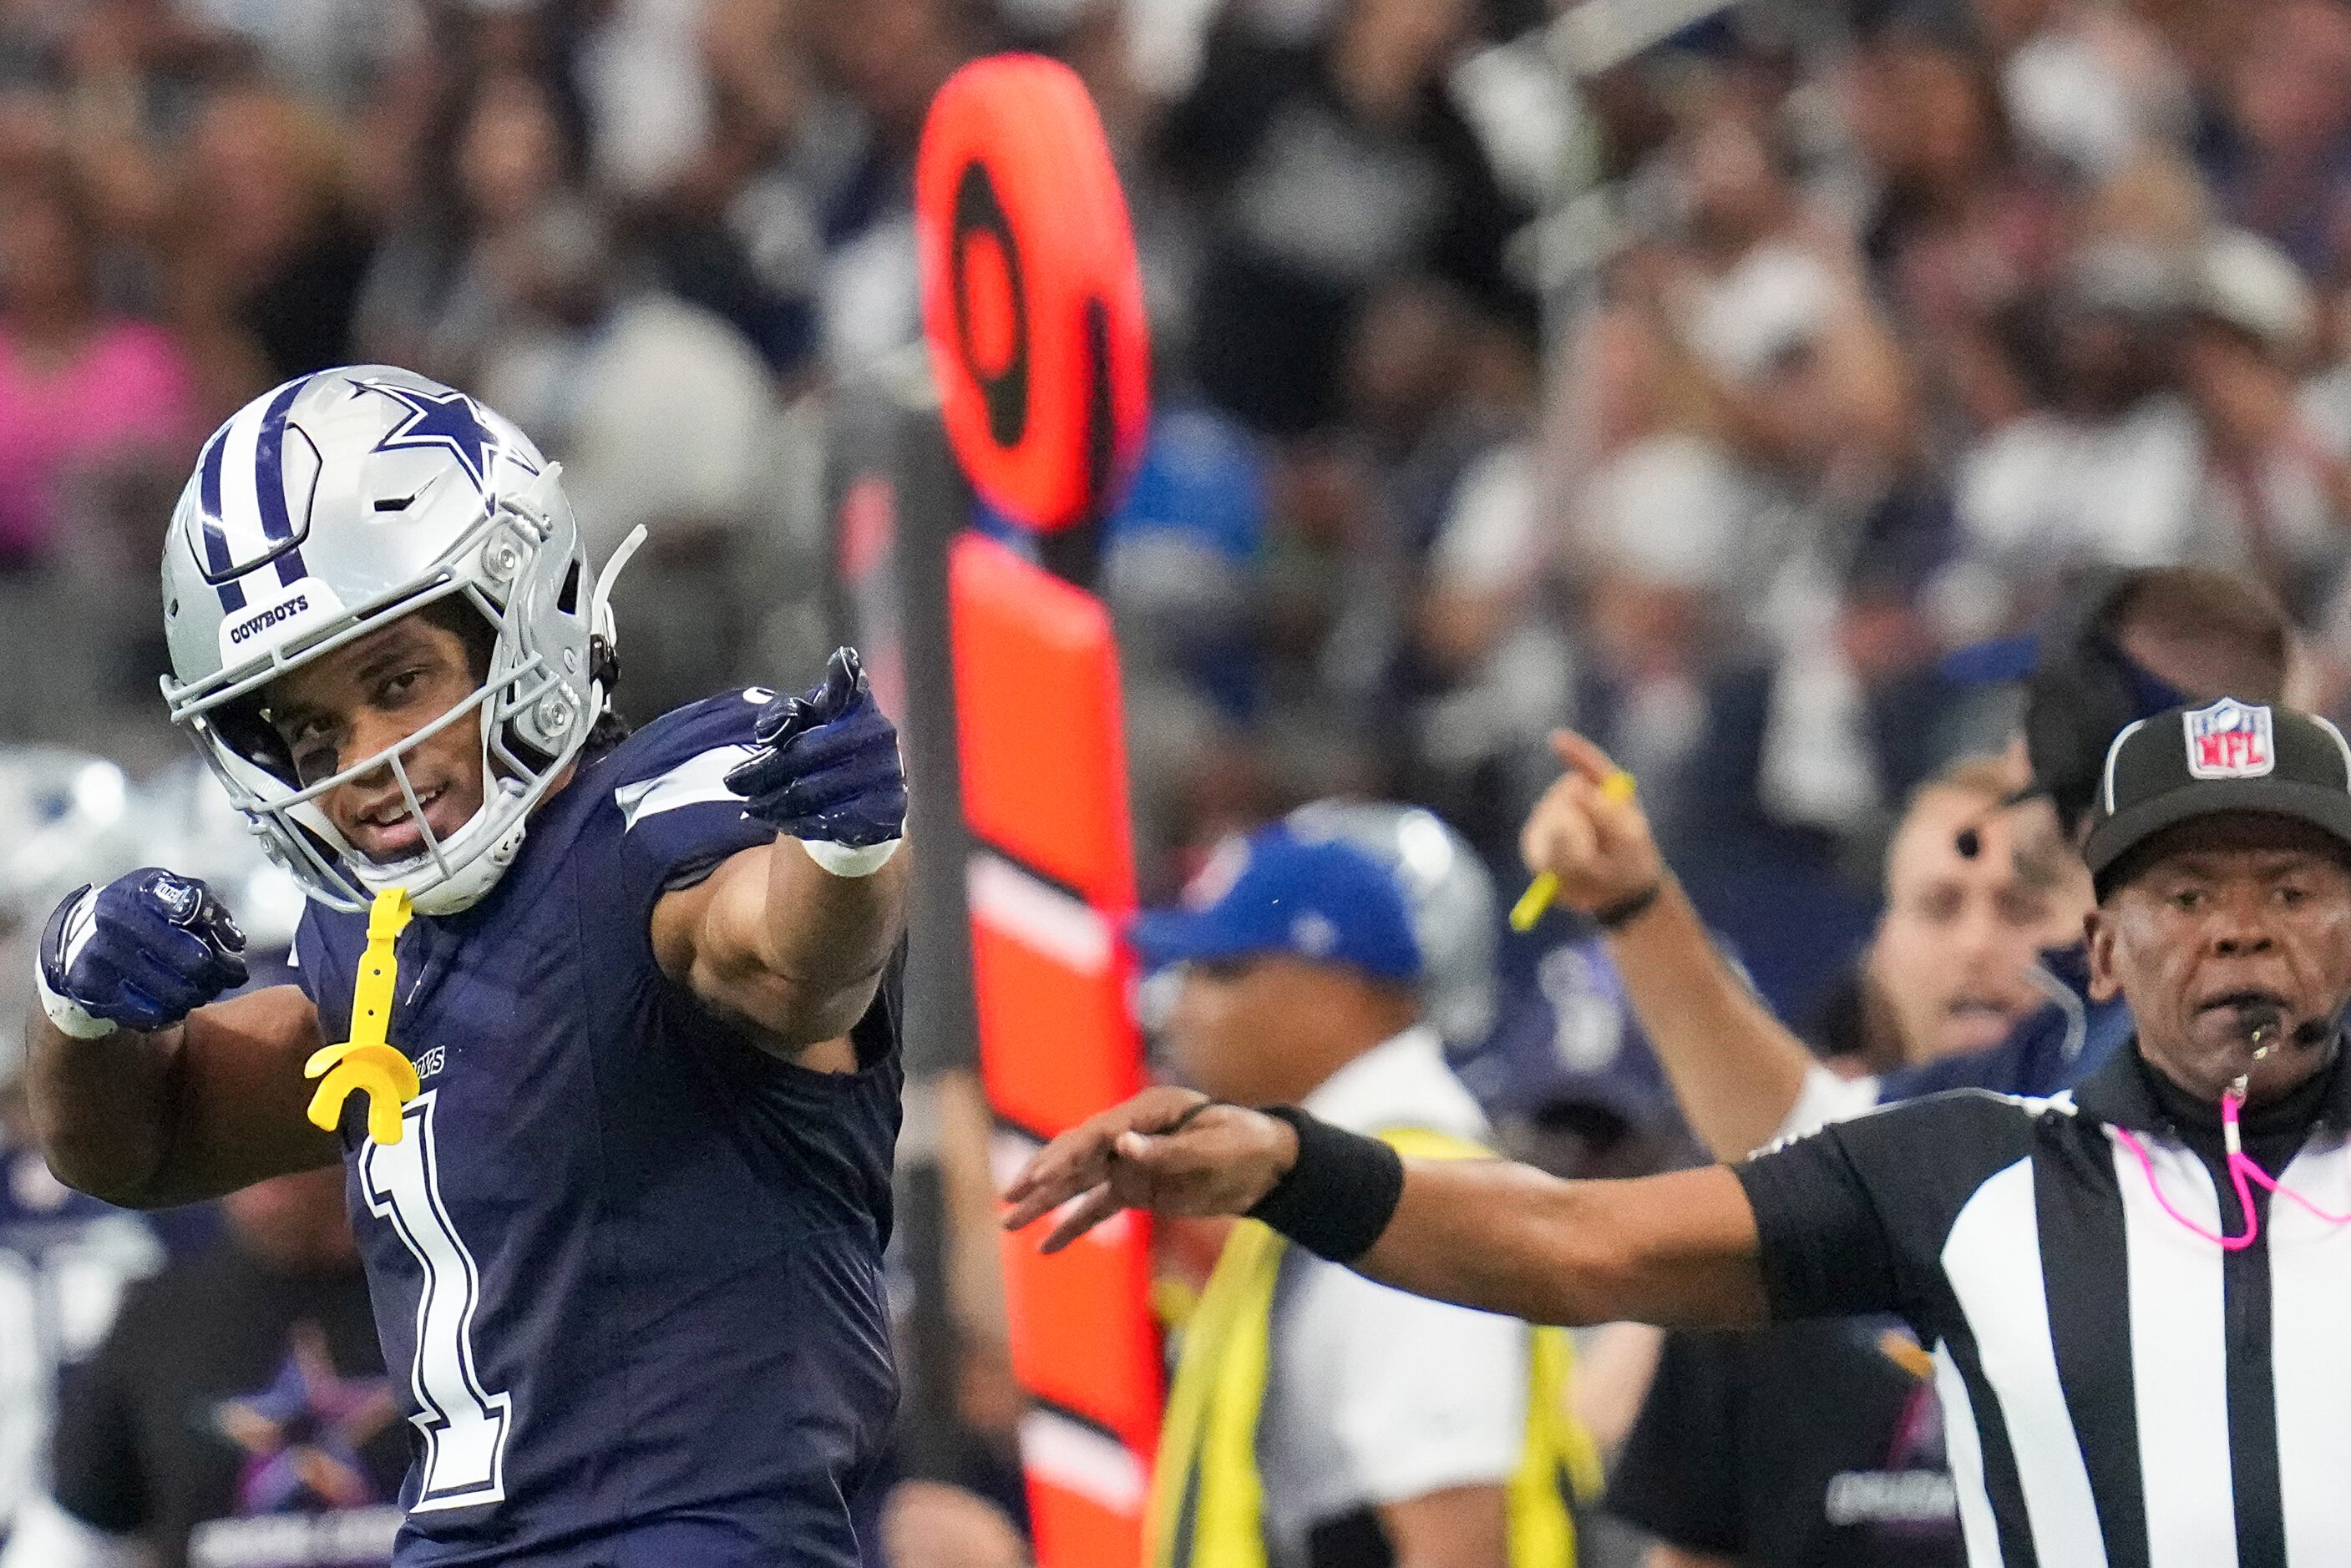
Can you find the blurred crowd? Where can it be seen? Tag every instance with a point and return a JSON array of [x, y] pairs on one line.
[[1702, 395], [1706, 392]]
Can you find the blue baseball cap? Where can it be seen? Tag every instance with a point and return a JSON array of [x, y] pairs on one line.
[[1273, 892]]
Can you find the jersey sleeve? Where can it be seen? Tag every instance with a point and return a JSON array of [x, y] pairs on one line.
[[1678, 1474], [1852, 1218], [677, 818]]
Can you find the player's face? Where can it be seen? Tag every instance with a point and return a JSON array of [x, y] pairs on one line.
[[2241, 916], [367, 697], [1955, 950]]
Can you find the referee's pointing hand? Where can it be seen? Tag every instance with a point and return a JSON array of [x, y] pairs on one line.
[[1167, 1150]]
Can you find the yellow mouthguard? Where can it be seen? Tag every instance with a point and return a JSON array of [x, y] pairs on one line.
[[365, 1062]]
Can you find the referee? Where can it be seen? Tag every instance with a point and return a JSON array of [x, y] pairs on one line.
[[2138, 1295]]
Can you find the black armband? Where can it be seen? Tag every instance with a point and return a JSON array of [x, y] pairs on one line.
[[1615, 917], [1340, 1193]]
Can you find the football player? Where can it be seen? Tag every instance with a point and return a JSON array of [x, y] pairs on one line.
[[626, 1252]]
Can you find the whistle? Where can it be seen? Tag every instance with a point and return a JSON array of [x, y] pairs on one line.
[[366, 1062]]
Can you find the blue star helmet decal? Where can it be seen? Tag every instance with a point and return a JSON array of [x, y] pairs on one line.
[[452, 422]]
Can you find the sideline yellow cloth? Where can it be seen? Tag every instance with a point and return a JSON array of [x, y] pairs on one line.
[[1208, 1500], [365, 1062]]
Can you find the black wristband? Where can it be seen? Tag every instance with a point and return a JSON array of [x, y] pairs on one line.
[[1340, 1193], [1615, 917]]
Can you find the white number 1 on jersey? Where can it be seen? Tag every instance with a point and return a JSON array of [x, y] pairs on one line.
[[465, 1429]]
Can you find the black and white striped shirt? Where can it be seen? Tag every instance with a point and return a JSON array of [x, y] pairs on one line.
[[2118, 1391]]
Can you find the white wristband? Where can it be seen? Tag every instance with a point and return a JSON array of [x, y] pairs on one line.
[[70, 1017], [847, 861]]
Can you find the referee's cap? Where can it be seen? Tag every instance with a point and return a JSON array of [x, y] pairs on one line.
[[1327, 900], [2227, 756]]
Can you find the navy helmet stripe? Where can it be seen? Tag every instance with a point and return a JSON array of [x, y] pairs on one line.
[[269, 463], [217, 558], [208, 502], [291, 569]]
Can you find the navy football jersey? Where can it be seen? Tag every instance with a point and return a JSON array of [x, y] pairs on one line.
[[630, 1265]]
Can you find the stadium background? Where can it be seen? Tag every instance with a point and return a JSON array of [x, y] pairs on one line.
[[1699, 377]]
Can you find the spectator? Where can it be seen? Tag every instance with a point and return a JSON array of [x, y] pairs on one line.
[[96, 412], [512, 232], [660, 411], [1953, 967], [239, 1406], [270, 255], [2146, 638], [85, 393], [1326, 171], [1956, 225], [65, 1258], [883, 60], [2178, 428], [1750, 327], [1300, 965], [739, 228], [2282, 166], [2277, 458]]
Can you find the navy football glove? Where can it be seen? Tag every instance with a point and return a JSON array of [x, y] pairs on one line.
[[827, 770], [143, 952]]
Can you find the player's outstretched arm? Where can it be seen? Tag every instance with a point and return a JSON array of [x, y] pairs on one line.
[[1678, 1249], [794, 935], [1735, 1069], [143, 1090]]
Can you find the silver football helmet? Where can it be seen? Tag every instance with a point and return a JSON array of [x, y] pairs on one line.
[[331, 507], [1451, 896]]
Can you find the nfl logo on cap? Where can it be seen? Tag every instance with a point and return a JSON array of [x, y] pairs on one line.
[[2229, 740]]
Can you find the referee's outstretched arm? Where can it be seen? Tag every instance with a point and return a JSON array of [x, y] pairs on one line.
[[1678, 1250], [2140, 1357]]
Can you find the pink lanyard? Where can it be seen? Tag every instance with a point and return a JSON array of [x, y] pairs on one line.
[[2241, 1171]]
